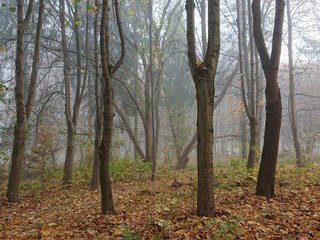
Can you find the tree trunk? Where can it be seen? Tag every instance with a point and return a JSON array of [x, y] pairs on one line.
[[183, 159], [23, 110], [107, 72], [253, 145], [98, 120], [270, 65], [203, 76], [105, 147], [205, 98], [292, 102], [148, 118], [244, 138], [267, 170]]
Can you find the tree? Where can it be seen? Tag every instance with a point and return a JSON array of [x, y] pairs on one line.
[[183, 157], [72, 116], [98, 121], [292, 100], [140, 84], [248, 75], [108, 71], [203, 75], [23, 109], [270, 64]]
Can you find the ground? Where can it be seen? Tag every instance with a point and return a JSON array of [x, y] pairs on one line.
[[165, 209]]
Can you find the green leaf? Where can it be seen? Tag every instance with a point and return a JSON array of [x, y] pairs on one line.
[[76, 2], [67, 24], [78, 22], [12, 9]]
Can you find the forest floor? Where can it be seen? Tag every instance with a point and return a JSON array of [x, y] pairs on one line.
[[165, 208]]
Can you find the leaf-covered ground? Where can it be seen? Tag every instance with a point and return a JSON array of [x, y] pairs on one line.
[[165, 209]]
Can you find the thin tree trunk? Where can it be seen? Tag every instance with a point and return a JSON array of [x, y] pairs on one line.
[[292, 102], [98, 120], [130, 131]]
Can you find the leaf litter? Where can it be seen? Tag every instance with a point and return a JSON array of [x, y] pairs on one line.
[[166, 209]]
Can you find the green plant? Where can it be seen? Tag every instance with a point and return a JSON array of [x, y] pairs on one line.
[[237, 164], [228, 230], [126, 169], [128, 235]]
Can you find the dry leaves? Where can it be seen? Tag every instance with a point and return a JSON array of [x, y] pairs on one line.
[[161, 210]]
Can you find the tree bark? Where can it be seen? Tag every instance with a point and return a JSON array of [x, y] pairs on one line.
[[23, 110], [203, 76], [98, 120], [183, 158], [270, 65], [107, 72]]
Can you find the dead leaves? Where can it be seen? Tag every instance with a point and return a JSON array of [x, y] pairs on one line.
[[166, 210]]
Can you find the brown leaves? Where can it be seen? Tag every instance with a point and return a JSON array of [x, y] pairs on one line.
[[160, 210]]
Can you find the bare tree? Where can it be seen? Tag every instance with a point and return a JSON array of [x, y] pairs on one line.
[[292, 100], [203, 75], [270, 65], [108, 71], [23, 109]]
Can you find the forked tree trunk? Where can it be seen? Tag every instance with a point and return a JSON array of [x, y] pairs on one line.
[[107, 72], [203, 75], [184, 159], [270, 65], [23, 109], [105, 147]]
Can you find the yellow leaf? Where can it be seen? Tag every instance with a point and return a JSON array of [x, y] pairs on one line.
[[93, 9], [132, 12], [198, 62]]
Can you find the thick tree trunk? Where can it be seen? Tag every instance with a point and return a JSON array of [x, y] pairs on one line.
[[183, 159], [107, 72], [17, 157], [20, 126], [105, 149], [68, 163], [203, 76], [205, 99], [270, 65], [23, 110], [267, 170]]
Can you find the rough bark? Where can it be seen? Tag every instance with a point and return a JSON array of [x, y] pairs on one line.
[[23, 110], [183, 158], [203, 76], [107, 72], [270, 65]]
